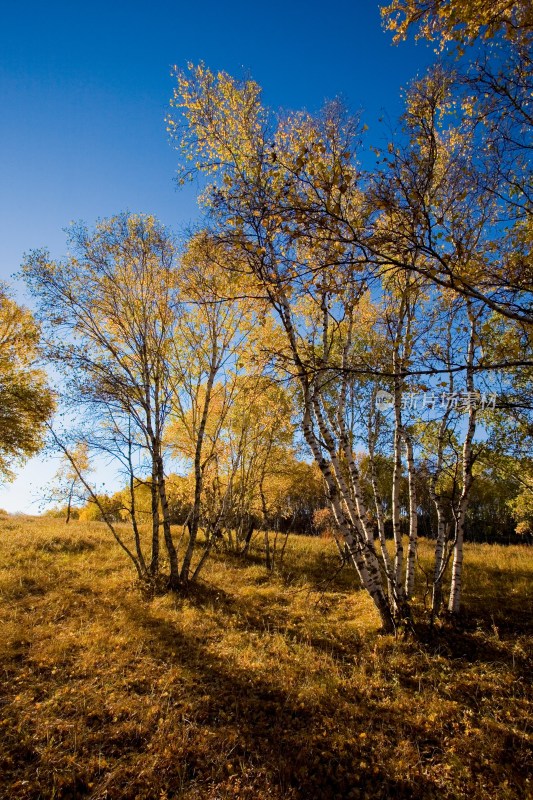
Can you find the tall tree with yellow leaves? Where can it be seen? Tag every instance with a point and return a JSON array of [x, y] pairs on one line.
[[26, 401], [109, 314], [269, 181]]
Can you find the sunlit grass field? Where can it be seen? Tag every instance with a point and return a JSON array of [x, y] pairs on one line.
[[254, 685]]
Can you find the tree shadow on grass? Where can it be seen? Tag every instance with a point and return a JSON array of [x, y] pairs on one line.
[[500, 599], [473, 645], [319, 569], [496, 612], [27, 586], [263, 615], [278, 746]]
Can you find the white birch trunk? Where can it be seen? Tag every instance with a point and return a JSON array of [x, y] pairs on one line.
[[413, 520], [355, 507], [441, 559], [454, 603], [385, 555], [362, 554], [369, 573], [396, 477], [440, 556]]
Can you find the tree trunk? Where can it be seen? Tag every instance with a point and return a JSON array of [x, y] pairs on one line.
[[440, 556], [167, 532], [387, 561], [135, 526], [454, 603], [413, 521], [154, 563], [440, 543], [367, 565], [248, 537], [69, 503], [133, 510], [198, 473], [396, 477], [370, 575]]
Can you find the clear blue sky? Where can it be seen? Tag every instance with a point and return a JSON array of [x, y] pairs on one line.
[[85, 88]]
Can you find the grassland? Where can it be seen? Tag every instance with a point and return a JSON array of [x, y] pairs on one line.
[[253, 685]]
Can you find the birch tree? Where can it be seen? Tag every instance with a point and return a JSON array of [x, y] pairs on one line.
[[212, 349], [109, 314], [318, 314], [289, 203], [467, 462]]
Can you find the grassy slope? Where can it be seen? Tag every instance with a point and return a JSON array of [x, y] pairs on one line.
[[252, 686]]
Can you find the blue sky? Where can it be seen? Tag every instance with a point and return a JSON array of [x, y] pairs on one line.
[[85, 89]]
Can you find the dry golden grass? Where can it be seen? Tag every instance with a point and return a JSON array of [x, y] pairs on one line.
[[252, 686]]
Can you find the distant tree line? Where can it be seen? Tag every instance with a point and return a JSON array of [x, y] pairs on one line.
[[495, 513]]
